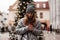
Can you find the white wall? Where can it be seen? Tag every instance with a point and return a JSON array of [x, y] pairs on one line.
[[55, 13], [45, 14]]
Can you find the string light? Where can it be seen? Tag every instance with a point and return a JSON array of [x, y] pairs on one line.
[[24, 7], [23, 2], [20, 4], [27, 3], [19, 12]]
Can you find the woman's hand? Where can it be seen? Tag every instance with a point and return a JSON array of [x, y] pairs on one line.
[[30, 27]]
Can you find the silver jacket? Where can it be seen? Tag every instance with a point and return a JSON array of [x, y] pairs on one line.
[[25, 34]]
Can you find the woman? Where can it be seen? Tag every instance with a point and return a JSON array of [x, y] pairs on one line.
[[29, 27]]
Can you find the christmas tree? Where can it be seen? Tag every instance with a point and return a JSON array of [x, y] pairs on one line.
[[22, 5]]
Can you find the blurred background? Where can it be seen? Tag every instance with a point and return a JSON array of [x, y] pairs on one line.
[[47, 11]]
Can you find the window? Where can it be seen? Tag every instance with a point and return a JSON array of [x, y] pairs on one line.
[[44, 5], [41, 15], [37, 5]]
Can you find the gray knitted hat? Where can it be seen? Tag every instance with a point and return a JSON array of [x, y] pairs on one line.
[[30, 8]]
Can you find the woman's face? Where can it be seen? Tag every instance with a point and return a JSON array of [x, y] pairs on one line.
[[29, 15]]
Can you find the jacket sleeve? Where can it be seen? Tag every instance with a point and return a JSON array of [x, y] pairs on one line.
[[37, 29], [20, 29]]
